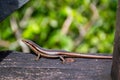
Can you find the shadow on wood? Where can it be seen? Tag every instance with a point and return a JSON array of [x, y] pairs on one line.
[[4, 54]]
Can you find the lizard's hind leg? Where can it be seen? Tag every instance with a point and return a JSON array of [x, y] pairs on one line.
[[63, 60]]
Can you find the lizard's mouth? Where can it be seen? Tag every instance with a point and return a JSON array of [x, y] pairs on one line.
[[25, 41]]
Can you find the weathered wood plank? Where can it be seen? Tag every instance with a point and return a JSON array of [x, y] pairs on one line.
[[16, 65]]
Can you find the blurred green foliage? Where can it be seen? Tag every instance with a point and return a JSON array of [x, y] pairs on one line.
[[73, 25]]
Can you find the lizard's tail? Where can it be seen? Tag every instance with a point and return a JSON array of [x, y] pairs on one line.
[[77, 55]]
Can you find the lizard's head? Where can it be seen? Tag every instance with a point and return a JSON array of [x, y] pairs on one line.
[[31, 44], [28, 42]]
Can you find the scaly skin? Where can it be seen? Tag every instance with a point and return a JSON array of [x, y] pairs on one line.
[[59, 53]]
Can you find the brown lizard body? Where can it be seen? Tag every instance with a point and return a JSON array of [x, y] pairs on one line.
[[59, 53]]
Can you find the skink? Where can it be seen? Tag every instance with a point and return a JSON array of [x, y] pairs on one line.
[[48, 53]]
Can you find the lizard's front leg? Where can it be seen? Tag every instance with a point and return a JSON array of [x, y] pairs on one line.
[[37, 58]]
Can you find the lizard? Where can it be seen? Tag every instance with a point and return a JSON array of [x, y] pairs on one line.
[[49, 53]]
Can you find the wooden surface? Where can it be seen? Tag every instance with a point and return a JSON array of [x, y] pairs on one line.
[[16, 65], [116, 53]]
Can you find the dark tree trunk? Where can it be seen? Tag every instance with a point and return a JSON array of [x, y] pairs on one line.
[[115, 73]]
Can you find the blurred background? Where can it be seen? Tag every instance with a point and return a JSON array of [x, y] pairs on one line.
[[85, 26]]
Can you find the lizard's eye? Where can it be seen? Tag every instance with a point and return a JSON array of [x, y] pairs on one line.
[[27, 42]]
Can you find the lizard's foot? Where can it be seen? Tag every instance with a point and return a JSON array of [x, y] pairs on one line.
[[36, 59], [69, 60]]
